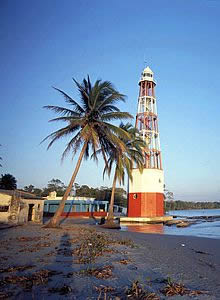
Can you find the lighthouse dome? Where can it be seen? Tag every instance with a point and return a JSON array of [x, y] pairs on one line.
[[147, 74], [148, 70]]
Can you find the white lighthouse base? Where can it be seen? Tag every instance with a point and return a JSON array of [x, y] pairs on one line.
[[146, 194]]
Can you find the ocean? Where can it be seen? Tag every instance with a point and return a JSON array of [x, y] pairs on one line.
[[202, 228]]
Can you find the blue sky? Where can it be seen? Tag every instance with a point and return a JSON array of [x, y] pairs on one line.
[[46, 43]]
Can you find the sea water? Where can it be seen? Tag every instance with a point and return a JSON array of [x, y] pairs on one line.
[[202, 228]]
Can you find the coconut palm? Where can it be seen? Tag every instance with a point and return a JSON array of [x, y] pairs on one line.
[[88, 125], [124, 161]]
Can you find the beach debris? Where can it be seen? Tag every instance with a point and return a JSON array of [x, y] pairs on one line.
[[65, 252], [127, 242], [16, 268], [50, 253], [124, 261], [4, 258], [200, 252], [103, 273], [183, 224], [137, 292], [173, 222], [5, 295], [180, 223], [183, 245], [70, 274], [104, 290], [64, 290], [93, 244], [28, 239], [35, 247], [66, 244], [28, 281], [174, 288]]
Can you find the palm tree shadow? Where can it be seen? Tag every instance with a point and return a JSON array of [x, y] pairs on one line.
[[93, 216], [67, 214], [63, 261]]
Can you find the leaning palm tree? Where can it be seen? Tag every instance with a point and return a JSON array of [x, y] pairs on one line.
[[124, 160], [88, 123]]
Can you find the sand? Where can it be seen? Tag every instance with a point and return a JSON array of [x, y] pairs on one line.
[[149, 259]]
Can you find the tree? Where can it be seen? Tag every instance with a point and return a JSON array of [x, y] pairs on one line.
[[38, 192], [32, 189], [8, 182], [120, 197], [55, 185], [124, 161], [168, 196], [29, 188], [88, 125]]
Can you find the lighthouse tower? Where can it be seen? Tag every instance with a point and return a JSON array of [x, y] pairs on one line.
[[145, 198]]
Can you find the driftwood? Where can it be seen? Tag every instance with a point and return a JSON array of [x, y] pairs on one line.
[[183, 224]]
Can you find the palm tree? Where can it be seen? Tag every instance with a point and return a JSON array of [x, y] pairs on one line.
[[88, 125], [124, 160]]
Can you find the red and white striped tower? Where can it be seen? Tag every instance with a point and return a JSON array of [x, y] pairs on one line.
[[146, 197]]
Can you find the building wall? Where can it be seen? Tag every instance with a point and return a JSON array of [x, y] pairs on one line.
[[145, 205], [150, 181], [53, 196], [77, 207], [18, 212], [5, 200], [38, 208]]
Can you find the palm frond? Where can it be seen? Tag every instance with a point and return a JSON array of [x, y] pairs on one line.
[[119, 115], [56, 135], [70, 120], [82, 88], [108, 108], [120, 132], [62, 110], [74, 145], [71, 101], [109, 99]]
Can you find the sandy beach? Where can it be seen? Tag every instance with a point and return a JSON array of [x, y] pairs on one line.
[[38, 263]]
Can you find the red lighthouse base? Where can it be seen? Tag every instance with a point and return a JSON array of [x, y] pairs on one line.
[[145, 205]]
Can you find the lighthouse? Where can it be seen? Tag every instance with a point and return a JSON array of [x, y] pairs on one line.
[[146, 190]]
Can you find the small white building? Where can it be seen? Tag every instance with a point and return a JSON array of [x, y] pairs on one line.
[[19, 207]]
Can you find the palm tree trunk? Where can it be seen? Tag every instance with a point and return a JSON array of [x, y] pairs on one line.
[[55, 219], [110, 217], [104, 156]]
